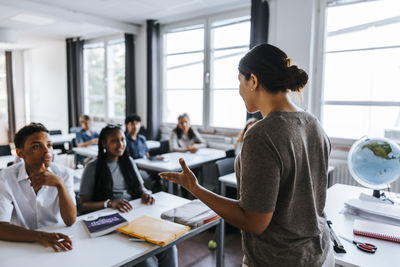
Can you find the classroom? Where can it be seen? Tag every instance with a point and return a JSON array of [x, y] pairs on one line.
[[254, 107]]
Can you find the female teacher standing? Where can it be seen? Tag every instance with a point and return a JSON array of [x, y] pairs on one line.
[[281, 170]]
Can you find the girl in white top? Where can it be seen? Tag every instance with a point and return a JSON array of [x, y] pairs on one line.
[[184, 138]]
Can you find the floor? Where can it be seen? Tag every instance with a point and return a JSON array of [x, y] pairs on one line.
[[194, 252]]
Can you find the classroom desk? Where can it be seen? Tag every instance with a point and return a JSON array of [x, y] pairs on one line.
[[230, 180], [171, 162], [110, 250], [6, 159], [387, 253], [60, 139], [92, 151]]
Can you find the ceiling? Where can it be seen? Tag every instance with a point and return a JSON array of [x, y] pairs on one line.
[[38, 20]]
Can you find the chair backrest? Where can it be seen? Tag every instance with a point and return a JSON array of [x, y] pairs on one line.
[[164, 146], [5, 150], [55, 132], [225, 166]]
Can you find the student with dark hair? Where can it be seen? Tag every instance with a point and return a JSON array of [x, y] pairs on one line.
[[36, 192], [113, 179], [135, 142], [184, 138], [281, 171], [86, 137]]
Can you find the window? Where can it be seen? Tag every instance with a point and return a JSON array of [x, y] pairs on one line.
[[104, 79], [3, 101], [362, 69], [200, 72]]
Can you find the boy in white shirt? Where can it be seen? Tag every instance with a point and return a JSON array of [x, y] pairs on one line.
[[36, 192]]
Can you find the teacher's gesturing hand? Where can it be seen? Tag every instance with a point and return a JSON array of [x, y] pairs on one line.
[[185, 178]]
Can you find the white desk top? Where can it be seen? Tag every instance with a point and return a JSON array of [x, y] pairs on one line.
[[387, 253], [6, 159], [229, 179], [110, 250], [193, 160], [62, 138]]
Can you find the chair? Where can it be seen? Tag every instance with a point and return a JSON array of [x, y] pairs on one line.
[[55, 132], [164, 148], [225, 166], [5, 150]]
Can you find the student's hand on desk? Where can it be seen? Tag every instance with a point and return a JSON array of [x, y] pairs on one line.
[[185, 178], [44, 177], [94, 141], [59, 242], [192, 148], [120, 205], [147, 198]]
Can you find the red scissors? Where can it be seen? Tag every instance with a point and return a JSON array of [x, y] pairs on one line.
[[366, 247]]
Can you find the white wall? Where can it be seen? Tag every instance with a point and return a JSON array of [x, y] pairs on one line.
[[292, 28], [46, 85]]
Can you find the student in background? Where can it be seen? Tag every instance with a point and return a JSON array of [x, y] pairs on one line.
[[36, 192], [281, 171], [135, 142], [239, 141], [86, 137], [113, 179], [184, 138]]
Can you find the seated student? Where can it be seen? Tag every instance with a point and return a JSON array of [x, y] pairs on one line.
[[239, 141], [86, 137], [135, 142], [113, 179], [36, 192], [184, 138]]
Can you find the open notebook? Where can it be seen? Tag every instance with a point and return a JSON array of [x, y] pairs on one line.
[[157, 231], [377, 230]]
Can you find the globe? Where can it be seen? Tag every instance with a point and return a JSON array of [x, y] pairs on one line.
[[374, 162]]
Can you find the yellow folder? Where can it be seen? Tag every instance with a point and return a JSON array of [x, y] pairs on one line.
[[157, 231]]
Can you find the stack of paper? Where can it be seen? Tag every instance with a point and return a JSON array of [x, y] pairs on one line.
[[375, 211], [157, 231]]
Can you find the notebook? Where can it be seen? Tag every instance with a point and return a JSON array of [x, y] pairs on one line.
[[157, 231], [377, 230], [104, 224], [193, 214]]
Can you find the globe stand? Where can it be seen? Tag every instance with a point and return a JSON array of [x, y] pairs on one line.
[[381, 196], [376, 193]]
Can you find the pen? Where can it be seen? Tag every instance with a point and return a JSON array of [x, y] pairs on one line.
[[62, 239], [136, 239]]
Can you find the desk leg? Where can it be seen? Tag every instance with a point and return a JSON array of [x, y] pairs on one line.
[[170, 187], [223, 189], [220, 243]]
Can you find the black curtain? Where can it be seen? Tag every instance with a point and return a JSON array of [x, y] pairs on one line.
[[153, 80], [10, 97], [259, 30], [130, 78], [75, 80]]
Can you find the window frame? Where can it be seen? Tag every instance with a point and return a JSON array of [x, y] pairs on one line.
[[318, 102], [118, 38], [207, 22]]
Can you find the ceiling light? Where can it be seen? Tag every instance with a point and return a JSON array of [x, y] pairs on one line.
[[32, 19]]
